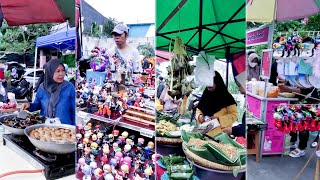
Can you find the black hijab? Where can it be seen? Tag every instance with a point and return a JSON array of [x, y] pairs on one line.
[[213, 101], [51, 87]]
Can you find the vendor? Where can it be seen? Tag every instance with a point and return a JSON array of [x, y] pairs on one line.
[[4, 85], [55, 97], [168, 102], [217, 103], [123, 56], [254, 68], [160, 87]]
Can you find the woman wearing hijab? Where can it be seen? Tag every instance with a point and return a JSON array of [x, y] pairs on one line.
[[217, 103], [55, 97], [253, 69]]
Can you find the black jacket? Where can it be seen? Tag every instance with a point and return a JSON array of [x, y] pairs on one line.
[[240, 130]]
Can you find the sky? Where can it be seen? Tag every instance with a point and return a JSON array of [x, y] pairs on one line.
[[127, 11]]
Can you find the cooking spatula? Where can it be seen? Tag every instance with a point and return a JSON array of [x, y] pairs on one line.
[[22, 114]]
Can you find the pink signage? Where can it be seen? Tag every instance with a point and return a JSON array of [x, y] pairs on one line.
[[258, 36], [266, 63], [254, 105]]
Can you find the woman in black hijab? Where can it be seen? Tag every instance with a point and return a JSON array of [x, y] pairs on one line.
[[217, 103]]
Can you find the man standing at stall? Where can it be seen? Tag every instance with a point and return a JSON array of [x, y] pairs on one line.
[[124, 58]]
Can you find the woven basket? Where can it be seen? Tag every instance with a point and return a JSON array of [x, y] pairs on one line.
[[205, 163], [165, 140]]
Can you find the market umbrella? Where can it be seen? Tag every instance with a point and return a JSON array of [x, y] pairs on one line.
[[280, 10], [24, 12], [202, 25]]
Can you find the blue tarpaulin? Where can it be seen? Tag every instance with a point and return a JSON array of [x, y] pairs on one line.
[[60, 40]]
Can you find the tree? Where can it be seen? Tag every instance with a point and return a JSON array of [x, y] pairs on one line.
[[22, 38], [313, 23], [108, 26]]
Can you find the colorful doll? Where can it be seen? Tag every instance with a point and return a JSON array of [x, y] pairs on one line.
[[86, 170], [108, 177], [98, 173], [107, 169]]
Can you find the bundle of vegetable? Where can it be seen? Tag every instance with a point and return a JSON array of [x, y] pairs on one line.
[[176, 167], [173, 118], [165, 126], [180, 69]]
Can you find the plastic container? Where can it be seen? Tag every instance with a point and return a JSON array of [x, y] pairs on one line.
[[273, 92]]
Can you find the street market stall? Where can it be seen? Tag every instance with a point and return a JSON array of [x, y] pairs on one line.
[[23, 151], [294, 60], [188, 33]]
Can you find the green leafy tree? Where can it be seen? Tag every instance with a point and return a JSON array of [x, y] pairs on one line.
[[313, 23], [108, 26], [146, 50], [69, 60], [21, 38]]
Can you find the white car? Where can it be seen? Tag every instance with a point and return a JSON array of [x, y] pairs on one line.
[[29, 75]]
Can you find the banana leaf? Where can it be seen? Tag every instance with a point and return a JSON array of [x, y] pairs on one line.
[[186, 136], [213, 153]]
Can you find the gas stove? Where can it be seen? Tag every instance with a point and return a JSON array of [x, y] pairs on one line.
[[54, 166]]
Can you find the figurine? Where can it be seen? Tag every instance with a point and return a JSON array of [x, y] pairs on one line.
[[120, 141], [141, 162], [118, 177], [108, 177], [104, 160], [115, 147], [100, 108], [87, 150], [147, 152], [78, 136], [107, 169], [93, 165], [125, 170], [148, 172], [86, 170], [100, 137], [151, 145], [119, 157], [80, 146], [113, 162], [106, 151], [81, 163], [124, 134], [129, 141], [126, 149], [115, 133], [98, 173]]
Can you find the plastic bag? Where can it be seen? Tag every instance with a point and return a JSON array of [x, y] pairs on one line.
[[204, 71]]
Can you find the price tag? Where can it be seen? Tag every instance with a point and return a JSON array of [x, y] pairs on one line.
[[82, 114], [148, 134]]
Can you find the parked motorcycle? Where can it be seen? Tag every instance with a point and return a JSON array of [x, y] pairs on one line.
[[21, 88]]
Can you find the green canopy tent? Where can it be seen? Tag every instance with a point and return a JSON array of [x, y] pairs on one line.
[[216, 27], [206, 25]]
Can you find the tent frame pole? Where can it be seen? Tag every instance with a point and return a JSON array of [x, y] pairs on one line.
[[34, 72], [200, 26]]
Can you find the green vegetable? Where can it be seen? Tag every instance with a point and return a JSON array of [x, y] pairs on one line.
[[181, 168], [181, 175]]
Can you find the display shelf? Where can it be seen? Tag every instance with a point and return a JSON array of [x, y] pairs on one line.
[[143, 130]]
